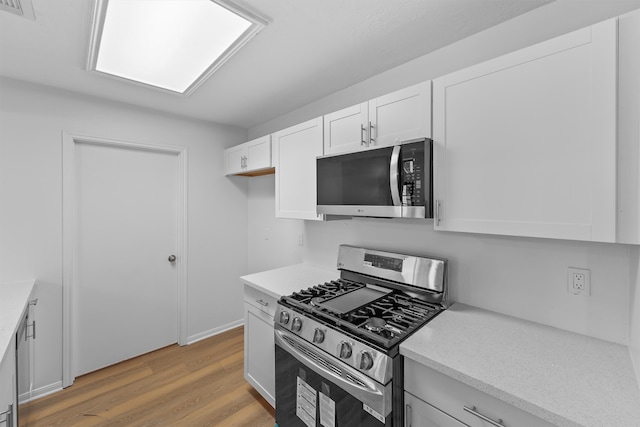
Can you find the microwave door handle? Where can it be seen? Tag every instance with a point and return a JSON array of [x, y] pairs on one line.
[[394, 172]]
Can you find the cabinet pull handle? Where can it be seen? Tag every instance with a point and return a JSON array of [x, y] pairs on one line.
[[362, 140], [473, 411], [8, 417], [261, 302], [371, 138], [437, 213], [408, 415], [27, 336]]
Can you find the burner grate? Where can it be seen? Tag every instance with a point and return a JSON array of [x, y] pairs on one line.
[[401, 313]]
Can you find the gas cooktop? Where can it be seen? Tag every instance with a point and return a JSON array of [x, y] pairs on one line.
[[381, 316]]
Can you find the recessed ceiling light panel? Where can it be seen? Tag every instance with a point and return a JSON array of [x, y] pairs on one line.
[[170, 44]]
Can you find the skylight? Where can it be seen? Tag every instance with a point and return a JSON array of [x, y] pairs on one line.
[[170, 44]]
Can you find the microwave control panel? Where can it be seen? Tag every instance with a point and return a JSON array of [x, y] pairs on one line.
[[412, 171]]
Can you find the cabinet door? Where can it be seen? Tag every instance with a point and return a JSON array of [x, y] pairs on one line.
[[295, 150], [259, 352], [629, 128], [421, 414], [347, 129], [401, 115], [259, 153], [234, 159], [525, 144], [8, 404]]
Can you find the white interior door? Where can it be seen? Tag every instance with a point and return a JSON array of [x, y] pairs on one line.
[[125, 288]]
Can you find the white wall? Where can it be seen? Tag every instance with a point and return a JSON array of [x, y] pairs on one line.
[[273, 242], [32, 119], [516, 276]]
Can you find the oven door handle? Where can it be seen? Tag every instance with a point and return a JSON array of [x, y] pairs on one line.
[[363, 388]]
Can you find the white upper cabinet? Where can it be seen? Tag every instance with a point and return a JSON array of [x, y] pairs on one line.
[[347, 129], [629, 128], [401, 115], [387, 120], [525, 144], [294, 155], [248, 158]]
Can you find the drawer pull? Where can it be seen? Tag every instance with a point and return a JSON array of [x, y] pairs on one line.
[[473, 411], [261, 302]]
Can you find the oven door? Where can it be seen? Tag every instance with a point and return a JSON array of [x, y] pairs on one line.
[[314, 389]]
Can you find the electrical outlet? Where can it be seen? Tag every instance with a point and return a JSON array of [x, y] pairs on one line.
[[579, 281], [300, 239]]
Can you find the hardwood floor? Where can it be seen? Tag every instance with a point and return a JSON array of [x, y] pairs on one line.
[[201, 384]]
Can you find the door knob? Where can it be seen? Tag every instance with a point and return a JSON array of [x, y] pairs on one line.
[[172, 258]]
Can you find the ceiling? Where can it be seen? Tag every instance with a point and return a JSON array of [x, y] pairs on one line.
[[310, 49]]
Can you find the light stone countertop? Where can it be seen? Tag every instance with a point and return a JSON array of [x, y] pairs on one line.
[[286, 280], [14, 297], [565, 378]]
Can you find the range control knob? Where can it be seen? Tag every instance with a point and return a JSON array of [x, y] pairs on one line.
[[344, 350], [366, 360], [296, 325], [318, 336], [284, 317]]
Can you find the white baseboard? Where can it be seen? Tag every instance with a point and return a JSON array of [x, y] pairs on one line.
[[215, 331], [40, 392]]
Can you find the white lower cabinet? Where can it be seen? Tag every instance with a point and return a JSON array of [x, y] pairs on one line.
[[8, 404], [433, 399], [420, 414], [259, 349]]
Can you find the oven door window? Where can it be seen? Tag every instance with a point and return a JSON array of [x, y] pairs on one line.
[[305, 398]]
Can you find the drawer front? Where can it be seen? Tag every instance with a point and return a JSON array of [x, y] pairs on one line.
[[421, 414], [452, 397], [260, 300]]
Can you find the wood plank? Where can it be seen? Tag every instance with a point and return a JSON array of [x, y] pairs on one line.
[[201, 384]]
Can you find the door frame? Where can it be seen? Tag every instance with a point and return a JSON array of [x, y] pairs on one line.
[[69, 249]]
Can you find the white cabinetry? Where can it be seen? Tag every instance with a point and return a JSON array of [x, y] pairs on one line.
[[525, 144], [420, 414], [294, 154], [434, 399], [249, 158], [259, 349], [386, 120], [8, 404], [629, 128]]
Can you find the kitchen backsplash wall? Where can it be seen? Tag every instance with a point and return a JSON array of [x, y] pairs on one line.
[[272, 242], [522, 277]]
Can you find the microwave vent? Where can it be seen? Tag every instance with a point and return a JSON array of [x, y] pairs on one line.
[[18, 7]]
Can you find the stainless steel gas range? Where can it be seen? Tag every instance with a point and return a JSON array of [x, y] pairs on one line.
[[337, 343]]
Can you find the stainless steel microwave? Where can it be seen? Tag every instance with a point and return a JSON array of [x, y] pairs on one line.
[[387, 182]]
